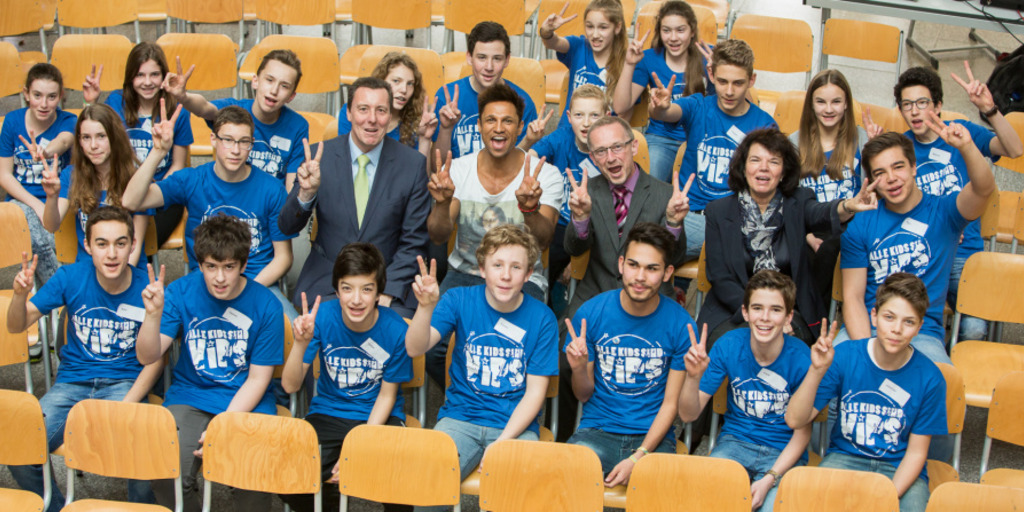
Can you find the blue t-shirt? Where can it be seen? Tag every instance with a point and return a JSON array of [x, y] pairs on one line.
[[354, 364], [28, 172], [102, 328], [562, 152], [653, 61], [583, 69], [713, 137], [941, 170], [141, 135], [922, 242], [276, 148], [345, 126], [879, 409], [758, 395], [493, 354], [82, 218], [219, 340], [466, 134], [632, 357], [827, 189], [257, 200]]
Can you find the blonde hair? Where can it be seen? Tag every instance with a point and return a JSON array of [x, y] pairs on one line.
[[508, 234], [612, 9], [590, 92]]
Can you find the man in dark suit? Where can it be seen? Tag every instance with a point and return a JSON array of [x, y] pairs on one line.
[[604, 209], [370, 188]]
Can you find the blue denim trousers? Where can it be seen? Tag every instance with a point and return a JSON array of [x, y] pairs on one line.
[[471, 441], [56, 405], [757, 459], [694, 225], [914, 500], [614, 448], [662, 151]]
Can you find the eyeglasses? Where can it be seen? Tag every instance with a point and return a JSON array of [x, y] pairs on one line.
[[616, 148], [921, 103], [229, 143]]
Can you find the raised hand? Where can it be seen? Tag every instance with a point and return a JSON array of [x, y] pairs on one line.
[[679, 203], [873, 129], [441, 186], [554, 22], [91, 86], [977, 91], [696, 358], [163, 132], [51, 178], [822, 350], [953, 133], [635, 52], [175, 83], [450, 113], [865, 200], [424, 285], [529, 191], [37, 151], [303, 325], [535, 130], [661, 95], [576, 351], [579, 199], [153, 294], [706, 51], [428, 121], [308, 173], [24, 280]]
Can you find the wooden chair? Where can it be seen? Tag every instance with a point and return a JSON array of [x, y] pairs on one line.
[[463, 15], [889, 118], [95, 437], [780, 45], [260, 452], [22, 17], [306, 13], [940, 472], [17, 240], [319, 75], [318, 123], [982, 363], [958, 496], [214, 55], [391, 14], [399, 465], [573, 28], [1018, 225], [14, 347], [661, 482], [559, 477], [813, 489], [863, 40], [66, 240], [97, 15], [788, 110], [643, 155], [75, 54], [22, 421], [1004, 415], [1003, 476], [999, 219], [12, 74], [724, 15], [189, 12], [1016, 120]]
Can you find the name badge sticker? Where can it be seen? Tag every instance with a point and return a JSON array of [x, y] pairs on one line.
[[238, 318], [773, 379], [735, 134], [374, 350], [940, 155], [131, 312], [281, 143], [510, 329], [892, 390], [591, 169], [914, 226]]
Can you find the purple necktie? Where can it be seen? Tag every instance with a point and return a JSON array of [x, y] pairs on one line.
[[619, 192]]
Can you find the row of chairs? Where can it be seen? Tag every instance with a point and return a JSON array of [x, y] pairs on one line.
[[420, 467]]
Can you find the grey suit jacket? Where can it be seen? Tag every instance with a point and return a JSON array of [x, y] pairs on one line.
[[650, 198], [395, 219]]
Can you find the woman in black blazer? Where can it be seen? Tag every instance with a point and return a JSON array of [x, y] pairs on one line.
[[764, 225]]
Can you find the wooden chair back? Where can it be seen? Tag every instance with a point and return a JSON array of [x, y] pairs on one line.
[[781, 45], [12, 74], [1001, 476], [214, 55], [557, 476], [863, 40], [703, 284], [260, 452], [320, 73], [1007, 409], [206, 11], [463, 15], [958, 496], [720, 8], [75, 54], [318, 123], [22, 17], [661, 481], [23, 426], [888, 118], [788, 111], [393, 14], [985, 272], [1016, 120], [400, 465], [811, 488], [427, 60], [98, 432], [956, 403], [66, 239], [643, 154], [13, 350], [307, 12], [14, 233], [150, 246], [89, 14], [289, 342]]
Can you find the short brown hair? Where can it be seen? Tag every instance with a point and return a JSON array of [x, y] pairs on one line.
[[772, 280], [360, 259], [907, 287], [233, 114], [222, 237], [735, 52], [286, 57], [881, 143], [508, 234], [114, 213]]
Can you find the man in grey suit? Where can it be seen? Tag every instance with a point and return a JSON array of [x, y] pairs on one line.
[[369, 188], [604, 209]]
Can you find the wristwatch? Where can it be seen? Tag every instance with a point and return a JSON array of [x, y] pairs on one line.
[[776, 476]]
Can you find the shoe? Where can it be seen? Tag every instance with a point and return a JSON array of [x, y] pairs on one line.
[[35, 352]]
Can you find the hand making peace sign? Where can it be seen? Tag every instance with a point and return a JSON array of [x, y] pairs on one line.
[[579, 198], [304, 325], [529, 191], [554, 22], [24, 280], [696, 358], [308, 173], [576, 350], [425, 285], [153, 294], [450, 113], [441, 187], [679, 203]]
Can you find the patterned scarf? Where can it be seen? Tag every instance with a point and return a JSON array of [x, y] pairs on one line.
[[761, 230]]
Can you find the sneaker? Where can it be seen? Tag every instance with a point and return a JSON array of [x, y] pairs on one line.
[[35, 352]]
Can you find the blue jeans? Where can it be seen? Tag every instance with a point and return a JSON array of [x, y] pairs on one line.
[[914, 500], [471, 441], [614, 448], [662, 151], [694, 225], [56, 405], [971, 328], [757, 459]]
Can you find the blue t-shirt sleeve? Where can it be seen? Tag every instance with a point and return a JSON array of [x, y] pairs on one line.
[[446, 313], [830, 385], [297, 154], [982, 138], [344, 126], [575, 45], [277, 203], [853, 248], [931, 418], [177, 187], [543, 360], [642, 72], [65, 182], [439, 102], [691, 106], [269, 339], [314, 344], [171, 319], [716, 373], [9, 135], [545, 147], [398, 367], [66, 122], [51, 295], [678, 361], [183, 129]]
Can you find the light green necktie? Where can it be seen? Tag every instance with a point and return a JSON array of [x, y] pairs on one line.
[[361, 187]]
